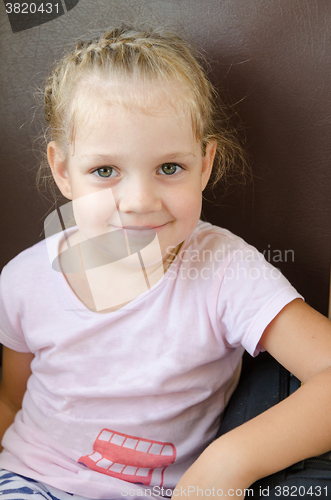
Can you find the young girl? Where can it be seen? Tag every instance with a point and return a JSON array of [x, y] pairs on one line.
[[124, 332]]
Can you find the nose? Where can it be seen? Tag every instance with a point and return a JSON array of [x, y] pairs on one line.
[[138, 195]]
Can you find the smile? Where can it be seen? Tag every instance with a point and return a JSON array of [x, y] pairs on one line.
[[141, 228]]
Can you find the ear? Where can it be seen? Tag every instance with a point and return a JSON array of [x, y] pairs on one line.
[[208, 161], [59, 169]]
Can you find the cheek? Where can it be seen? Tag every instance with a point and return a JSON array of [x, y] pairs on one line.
[[187, 204], [94, 212]]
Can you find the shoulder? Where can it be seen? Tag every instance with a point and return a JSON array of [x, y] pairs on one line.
[[28, 260], [29, 268], [25, 283], [209, 253], [219, 242]]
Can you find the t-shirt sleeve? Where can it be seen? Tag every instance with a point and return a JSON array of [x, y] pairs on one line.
[[11, 334], [252, 293]]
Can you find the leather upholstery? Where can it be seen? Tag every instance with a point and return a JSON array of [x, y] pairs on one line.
[[273, 59]]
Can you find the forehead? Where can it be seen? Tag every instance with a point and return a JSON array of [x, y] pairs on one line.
[[136, 134], [96, 99]]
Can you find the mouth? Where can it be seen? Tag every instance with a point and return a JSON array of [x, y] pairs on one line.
[[142, 227]]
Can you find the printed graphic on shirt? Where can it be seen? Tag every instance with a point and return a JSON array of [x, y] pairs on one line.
[[130, 458]]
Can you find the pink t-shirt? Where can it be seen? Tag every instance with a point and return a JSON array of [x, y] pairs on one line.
[[127, 400]]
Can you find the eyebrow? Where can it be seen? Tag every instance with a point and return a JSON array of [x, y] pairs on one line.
[[110, 157]]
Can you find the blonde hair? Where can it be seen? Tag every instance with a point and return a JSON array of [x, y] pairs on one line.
[[149, 56]]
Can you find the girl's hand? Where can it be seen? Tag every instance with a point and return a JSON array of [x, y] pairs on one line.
[[211, 477]]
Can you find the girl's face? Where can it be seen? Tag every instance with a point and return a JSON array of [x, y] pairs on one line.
[[134, 168]]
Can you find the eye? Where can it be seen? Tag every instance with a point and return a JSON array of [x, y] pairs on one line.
[[105, 172], [170, 168]]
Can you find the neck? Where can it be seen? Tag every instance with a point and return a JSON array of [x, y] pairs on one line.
[[105, 284]]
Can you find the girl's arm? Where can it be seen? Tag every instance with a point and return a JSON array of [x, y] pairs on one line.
[[297, 428], [15, 373]]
